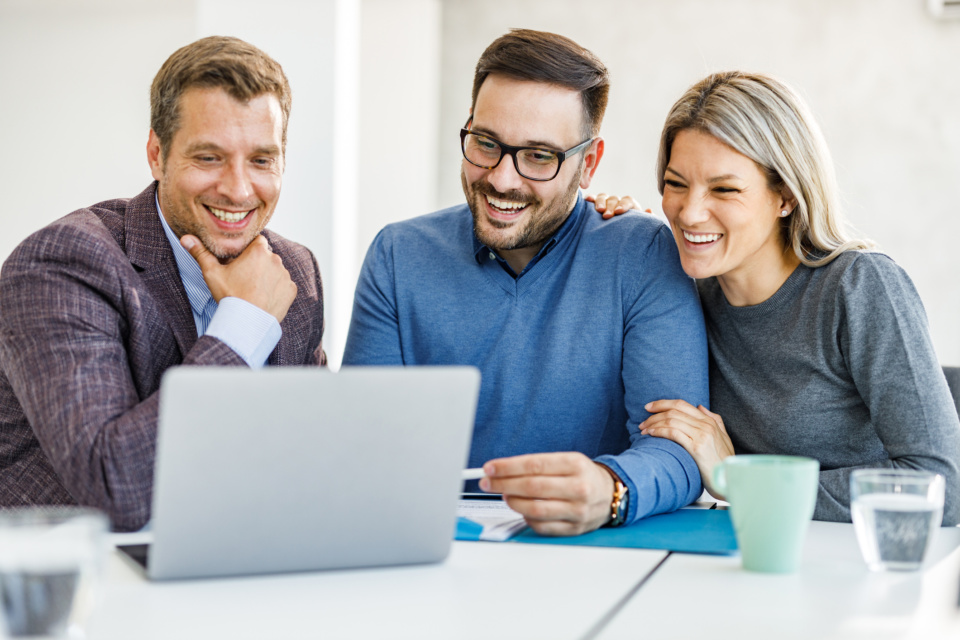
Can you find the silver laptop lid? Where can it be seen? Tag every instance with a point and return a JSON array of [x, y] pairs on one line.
[[293, 469]]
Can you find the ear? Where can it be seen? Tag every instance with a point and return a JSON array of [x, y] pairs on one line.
[[591, 160], [787, 201], [154, 158]]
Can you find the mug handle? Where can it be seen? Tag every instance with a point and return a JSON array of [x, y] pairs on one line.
[[719, 477]]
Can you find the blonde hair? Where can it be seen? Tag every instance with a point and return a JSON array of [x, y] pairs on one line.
[[766, 121]]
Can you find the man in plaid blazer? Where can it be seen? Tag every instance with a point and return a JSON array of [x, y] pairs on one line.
[[97, 305]]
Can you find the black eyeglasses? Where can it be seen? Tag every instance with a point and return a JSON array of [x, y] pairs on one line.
[[533, 163]]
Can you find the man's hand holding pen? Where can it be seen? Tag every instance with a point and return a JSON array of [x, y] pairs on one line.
[[559, 494]]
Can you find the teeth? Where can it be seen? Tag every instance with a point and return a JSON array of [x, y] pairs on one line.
[[700, 238], [228, 216], [506, 205]]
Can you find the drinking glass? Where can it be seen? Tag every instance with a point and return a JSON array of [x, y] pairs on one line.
[[896, 513], [50, 561]]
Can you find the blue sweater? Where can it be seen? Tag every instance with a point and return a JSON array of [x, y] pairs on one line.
[[601, 322]]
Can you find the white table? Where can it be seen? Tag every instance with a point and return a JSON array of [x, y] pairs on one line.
[[487, 591], [502, 591], [833, 595]]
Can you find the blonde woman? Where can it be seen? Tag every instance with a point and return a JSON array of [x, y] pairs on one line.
[[818, 346]]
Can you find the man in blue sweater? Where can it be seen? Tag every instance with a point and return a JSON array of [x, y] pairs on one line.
[[574, 322]]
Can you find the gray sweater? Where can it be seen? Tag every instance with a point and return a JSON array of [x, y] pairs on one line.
[[837, 365]]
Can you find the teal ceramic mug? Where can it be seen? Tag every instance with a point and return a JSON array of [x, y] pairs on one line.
[[771, 503]]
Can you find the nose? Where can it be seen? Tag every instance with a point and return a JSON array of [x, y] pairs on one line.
[[504, 176], [693, 209], [235, 183]]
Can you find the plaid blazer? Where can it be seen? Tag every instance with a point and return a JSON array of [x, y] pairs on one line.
[[92, 312]]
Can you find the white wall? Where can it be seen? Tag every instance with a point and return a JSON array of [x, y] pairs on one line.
[[882, 76], [75, 108], [399, 110]]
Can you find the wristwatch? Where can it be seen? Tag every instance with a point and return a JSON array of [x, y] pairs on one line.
[[620, 502]]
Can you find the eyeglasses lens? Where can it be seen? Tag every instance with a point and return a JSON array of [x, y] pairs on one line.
[[535, 164]]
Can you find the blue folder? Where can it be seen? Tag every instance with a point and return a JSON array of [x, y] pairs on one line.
[[706, 531]]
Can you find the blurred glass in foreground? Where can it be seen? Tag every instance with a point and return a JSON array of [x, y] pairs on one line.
[[50, 564]]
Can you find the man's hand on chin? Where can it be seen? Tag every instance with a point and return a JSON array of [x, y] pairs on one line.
[[257, 275], [559, 494]]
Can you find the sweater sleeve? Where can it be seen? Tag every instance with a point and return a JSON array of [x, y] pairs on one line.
[[883, 335], [664, 356]]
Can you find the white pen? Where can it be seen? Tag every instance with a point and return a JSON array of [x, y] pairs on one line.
[[473, 474]]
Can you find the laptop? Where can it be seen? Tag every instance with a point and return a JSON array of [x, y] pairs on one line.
[[300, 469]]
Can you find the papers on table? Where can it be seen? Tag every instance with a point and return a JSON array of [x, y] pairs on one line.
[[499, 521]]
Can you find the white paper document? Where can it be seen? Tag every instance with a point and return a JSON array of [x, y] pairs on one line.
[[499, 521]]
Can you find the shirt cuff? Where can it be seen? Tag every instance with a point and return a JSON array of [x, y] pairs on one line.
[[247, 329]]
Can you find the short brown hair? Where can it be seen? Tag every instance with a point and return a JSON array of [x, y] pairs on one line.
[[237, 67], [539, 56]]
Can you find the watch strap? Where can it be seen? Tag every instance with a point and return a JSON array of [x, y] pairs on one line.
[[619, 502]]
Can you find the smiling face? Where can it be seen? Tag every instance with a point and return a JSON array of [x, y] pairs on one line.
[[510, 212], [220, 180], [725, 217]]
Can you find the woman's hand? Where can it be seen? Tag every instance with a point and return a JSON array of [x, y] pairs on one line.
[[697, 429], [611, 206]]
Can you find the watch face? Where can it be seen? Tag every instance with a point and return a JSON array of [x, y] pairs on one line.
[[619, 504]]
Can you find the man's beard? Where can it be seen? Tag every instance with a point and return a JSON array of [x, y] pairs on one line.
[[540, 220], [180, 217]]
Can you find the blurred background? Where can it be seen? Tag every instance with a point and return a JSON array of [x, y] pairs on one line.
[[882, 76]]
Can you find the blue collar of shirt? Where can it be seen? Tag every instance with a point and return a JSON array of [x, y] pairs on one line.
[[198, 293], [481, 251]]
